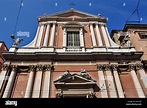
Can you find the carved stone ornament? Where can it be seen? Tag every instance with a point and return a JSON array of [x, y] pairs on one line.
[[84, 74], [59, 95], [32, 67], [91, 95], [114, 67], [24, 69], [14, 67], [100, 67], [47, 67], [131, 67], [107, 67], [139, 66], [5, 67], [40, 67]]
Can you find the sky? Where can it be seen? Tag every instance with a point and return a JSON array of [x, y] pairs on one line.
[[13, 21]]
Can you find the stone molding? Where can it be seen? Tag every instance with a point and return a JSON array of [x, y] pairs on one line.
[[114, 67]]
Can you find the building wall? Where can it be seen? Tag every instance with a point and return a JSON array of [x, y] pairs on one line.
[[3, 48], [35, 79]]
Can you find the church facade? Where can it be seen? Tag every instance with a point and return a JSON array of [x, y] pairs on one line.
[[73, 56]]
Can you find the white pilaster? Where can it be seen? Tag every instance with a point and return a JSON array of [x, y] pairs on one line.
[[99, 36], [143, 77], [64, 37], [111, 86], [82, 39], [3, 76], [46, 84], [10, 82], [40, 35], [30, 83], [37, 83], [103, 90], [52, 35], [137, 85], [46, 35], [93, 35], [118, 84], [105, 36]]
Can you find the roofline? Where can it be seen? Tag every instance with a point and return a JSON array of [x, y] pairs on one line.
[[134, 26], [4, 44], [70, 10]]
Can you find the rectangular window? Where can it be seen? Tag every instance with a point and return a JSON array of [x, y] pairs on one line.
[[73, 39], [143, 35]]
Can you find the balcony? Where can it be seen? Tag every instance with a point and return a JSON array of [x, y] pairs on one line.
[[73, 49]]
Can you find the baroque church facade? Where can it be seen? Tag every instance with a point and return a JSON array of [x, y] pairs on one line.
[[72, 56]]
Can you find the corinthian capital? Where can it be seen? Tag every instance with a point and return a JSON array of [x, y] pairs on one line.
[[114, 67], [40, 67], [32, 67], [100, 67], [47, 67], [131, 67], [5, 67], [14, 67], [139, 66]]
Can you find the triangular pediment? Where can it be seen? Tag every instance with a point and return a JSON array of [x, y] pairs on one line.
[[74, 78], [82, 81], [72, 14]]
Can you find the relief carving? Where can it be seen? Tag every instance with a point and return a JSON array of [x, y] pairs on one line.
[[5, 67], [139, 66]]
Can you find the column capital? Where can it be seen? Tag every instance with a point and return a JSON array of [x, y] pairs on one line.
[[99, 67], [59, 95], [114, 67], [47, 67], [32, 67], [40, 67], [5, 67], [14, 67], [139, 66], [131, 67], [107, 67], [91, 95]]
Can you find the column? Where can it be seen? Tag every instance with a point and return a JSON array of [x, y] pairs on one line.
[[40, 35], [52, 35], [110, 80], [99, 36], [93, 35], [136, 83], [82, 39], [117, 82], [30, 82], [3, 75], [141, 72], [143, 77], [10, 83], [37, 83], [46, 83], [105, 36], [64, 37], [103, 88], [46, 35]]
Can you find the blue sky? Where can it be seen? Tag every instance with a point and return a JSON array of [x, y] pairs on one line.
[[117, 12]]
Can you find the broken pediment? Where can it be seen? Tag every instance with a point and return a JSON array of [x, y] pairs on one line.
[[76, 81], [74, 78]]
